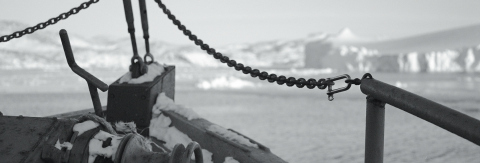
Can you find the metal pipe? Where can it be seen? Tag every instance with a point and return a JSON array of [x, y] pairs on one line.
[[146, 36], [97, 106], [73, 65], [442, 116], [143, 15], [374, 130]]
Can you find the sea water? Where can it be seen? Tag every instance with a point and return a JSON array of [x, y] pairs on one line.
[[298, 125]]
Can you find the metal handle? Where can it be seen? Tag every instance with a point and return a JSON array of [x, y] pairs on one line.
[[194, 147], [93, 82], [77, 69]]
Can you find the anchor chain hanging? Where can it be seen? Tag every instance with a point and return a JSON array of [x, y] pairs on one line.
[[51, 21], [138, 67], [280, 80]]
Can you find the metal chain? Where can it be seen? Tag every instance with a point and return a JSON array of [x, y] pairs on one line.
[[51, 21], [280, 80]]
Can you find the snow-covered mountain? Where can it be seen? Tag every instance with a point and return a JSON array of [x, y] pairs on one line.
[[43, 50], [455, 50]]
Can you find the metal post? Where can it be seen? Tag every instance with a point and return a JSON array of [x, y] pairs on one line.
[[374, 132], [97, 106], [143, 14]]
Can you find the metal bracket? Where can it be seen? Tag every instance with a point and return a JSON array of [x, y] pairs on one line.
[[332, 91], [137, 68]]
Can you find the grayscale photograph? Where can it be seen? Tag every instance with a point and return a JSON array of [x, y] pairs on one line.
[[239, 81]]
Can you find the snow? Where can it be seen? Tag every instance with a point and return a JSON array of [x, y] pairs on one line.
[[95, 146], [165, 103], [224, 82], [67, 145], [231, 135], [230, 160], [154, 70], [160, 125], [207, 156], [84, 126], [159, 128], [346, 34]]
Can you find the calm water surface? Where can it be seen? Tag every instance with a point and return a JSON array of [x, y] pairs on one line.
[[299, 125]]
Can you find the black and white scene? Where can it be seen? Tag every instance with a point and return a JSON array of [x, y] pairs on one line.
[[239, 81]]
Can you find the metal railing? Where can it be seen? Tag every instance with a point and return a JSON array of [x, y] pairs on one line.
[[379, 94]]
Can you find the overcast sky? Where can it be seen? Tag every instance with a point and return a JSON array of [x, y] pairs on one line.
[[220, 22]]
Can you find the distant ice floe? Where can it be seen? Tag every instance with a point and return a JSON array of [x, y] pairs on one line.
[[443, 61], [225, 82], [401, 84]]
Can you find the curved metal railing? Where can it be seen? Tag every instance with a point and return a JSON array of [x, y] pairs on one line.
[[379, 94]]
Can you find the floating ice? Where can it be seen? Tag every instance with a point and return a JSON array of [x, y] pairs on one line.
[[443, 61], [401, 84], [231, 135], [84, 126], [154, 70], [469, 60], [224, 82], [408, 62], [230, 160]]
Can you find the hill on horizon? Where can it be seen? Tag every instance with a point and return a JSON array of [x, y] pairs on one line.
[[43, 50]]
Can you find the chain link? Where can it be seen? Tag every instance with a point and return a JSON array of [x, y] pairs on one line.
[[262, 75], [50, 21]]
